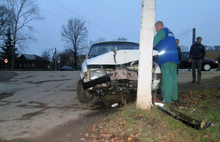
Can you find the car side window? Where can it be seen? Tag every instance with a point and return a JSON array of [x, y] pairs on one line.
[[185, 56]]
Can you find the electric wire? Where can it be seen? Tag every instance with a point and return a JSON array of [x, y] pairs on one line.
[[92, 23], [53, 14], [65, 19]]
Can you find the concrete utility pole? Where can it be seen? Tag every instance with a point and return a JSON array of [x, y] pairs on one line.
[[144, 92]]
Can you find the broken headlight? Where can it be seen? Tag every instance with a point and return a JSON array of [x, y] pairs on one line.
[[96, 74]]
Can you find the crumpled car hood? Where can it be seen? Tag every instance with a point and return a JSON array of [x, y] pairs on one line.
[[121, 57]]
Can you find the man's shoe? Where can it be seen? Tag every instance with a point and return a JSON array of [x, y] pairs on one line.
[[193, 81], [198, 82]]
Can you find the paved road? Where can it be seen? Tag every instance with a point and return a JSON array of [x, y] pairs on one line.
[[185, 76], [35, 102]]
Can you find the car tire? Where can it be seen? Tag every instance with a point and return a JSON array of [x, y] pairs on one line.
[[82, 95], [206, 67]]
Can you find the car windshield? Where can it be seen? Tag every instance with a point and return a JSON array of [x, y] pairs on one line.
[[101, 48]]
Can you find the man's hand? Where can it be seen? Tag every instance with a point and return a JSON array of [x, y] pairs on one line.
[[189, 60]]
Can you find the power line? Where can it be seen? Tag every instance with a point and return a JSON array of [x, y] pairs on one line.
[[65, 20], [74, 12], [53, 14]]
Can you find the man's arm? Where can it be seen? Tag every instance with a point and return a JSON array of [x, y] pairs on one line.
[[159, 36], [203, 50]]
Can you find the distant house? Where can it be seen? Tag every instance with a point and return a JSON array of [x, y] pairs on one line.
[[31, 62]]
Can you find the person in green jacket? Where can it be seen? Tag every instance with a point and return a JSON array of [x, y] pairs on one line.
[[165, 44]]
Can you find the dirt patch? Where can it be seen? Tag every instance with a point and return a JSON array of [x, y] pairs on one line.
[[6, 76], [72, 131]]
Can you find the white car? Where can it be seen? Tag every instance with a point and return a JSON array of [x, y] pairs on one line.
[[109, 73]]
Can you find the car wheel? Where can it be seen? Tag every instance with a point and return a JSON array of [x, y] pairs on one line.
[[156, 76], [82, 95], [206, 67]]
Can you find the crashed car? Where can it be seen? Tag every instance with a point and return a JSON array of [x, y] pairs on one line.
[[109, 74]]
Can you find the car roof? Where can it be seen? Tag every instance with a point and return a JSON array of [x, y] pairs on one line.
[[114, 42], [204, 58]]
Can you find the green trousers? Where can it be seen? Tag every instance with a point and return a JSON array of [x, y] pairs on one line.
[[169, 82]]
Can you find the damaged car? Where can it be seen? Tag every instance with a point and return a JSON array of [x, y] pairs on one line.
[[109, 74]]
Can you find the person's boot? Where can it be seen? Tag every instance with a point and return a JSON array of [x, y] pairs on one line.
[[199, 80]]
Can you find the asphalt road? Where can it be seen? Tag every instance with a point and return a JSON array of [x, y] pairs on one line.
[[33, 103]]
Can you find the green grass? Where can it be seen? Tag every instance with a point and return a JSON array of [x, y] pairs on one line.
[[153, 125]]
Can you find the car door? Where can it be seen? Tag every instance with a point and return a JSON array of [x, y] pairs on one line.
[[184, 62]]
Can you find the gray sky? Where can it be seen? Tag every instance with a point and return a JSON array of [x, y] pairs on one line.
[[111, 19]]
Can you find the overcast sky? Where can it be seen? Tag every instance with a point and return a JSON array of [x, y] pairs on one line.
[[111, 19]]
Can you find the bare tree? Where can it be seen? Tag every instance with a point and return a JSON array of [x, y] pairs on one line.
[[98, 40], [66, 57], [217, 47], [207, 47], [46, 54], [23, 12], [75, 33], [5, 15]]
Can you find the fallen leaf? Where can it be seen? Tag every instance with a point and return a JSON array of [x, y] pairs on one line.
[[105, 130], [82, 139], [206, 136], [132, 136], [86, 134], [181, 107], [202, 124]]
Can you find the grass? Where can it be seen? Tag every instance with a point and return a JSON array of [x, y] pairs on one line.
[[152, 125], [212, 54]]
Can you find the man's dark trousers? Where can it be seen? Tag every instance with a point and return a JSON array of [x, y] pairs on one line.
[[196, 64]]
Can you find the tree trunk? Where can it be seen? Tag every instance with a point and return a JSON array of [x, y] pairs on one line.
[[75, 56]]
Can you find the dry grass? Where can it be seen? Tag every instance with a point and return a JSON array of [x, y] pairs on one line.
[[152, 125], [212, 54]]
